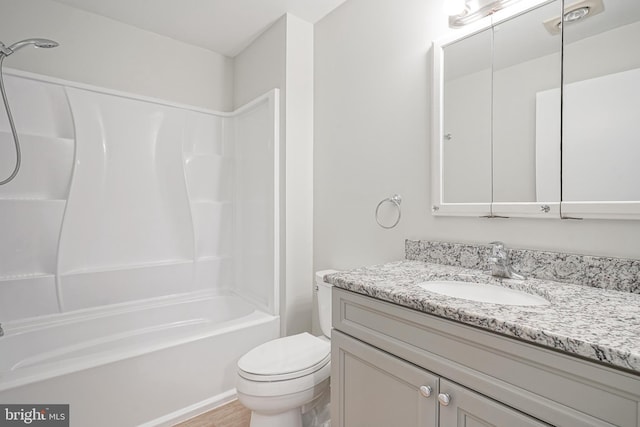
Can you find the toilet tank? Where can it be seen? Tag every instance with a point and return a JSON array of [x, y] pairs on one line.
[[324, 301]]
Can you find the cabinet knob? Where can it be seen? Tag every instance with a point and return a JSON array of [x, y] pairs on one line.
[[425, 390], [444, 399]]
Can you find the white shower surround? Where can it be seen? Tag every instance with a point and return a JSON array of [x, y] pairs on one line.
[[139, 236], [122, 198]]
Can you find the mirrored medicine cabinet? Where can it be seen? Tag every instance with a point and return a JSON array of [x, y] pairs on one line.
[[534, 118]]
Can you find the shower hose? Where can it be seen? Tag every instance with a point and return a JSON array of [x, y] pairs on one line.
[[13, 128]]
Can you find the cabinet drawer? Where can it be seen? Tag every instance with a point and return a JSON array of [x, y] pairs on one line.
[[554, 387]]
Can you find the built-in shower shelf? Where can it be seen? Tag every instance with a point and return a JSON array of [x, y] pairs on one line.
[[31, 200], [192, 155], [111, 268], [211, 202], [36, 135], [215, 258], [25, 276]]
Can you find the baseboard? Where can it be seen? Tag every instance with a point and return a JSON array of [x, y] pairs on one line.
[[191, 411]]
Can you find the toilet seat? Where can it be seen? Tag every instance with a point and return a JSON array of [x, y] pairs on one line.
[[276, 389], [285, 358]]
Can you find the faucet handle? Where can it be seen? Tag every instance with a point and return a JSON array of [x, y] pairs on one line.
[[494, 260], [498, 249]]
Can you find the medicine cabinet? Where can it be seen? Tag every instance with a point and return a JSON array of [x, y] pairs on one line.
[[534, 118]]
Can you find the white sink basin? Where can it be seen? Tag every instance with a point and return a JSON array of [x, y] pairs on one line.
[[482, 292]]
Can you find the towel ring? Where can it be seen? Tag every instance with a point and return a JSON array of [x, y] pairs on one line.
[[396, 200]]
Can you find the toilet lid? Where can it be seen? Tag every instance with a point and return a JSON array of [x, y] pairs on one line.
[[297, 354]]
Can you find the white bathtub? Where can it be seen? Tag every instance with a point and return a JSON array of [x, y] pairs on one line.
[[150, 363]]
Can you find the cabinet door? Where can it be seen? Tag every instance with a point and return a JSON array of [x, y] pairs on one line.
[[461, 407], [371, 388]]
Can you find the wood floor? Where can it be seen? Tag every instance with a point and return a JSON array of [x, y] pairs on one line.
[[233, 414]]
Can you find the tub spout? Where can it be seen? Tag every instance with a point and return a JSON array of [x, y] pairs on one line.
[[1, 330]]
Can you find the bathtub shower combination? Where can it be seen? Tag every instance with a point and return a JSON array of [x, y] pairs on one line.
[[139, 250]]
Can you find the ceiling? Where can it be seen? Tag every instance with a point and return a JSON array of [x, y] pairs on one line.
[[223, 26]]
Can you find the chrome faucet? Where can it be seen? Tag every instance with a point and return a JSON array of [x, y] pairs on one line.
[[1, 330], [499, 262]]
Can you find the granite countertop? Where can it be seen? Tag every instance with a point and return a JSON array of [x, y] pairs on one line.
[[598, 324]]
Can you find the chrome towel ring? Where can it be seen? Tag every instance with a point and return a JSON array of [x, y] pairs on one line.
[[395, 200]]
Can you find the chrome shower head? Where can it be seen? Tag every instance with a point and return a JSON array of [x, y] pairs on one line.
[[42, 43]]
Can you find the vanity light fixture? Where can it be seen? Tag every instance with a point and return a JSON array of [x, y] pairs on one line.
[[575, 12], [455, 7], [473, 10]]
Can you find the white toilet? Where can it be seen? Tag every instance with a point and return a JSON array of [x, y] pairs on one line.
[[284, 378]]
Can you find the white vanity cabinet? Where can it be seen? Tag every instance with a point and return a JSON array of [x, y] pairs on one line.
[[375, 389], [393, 366]]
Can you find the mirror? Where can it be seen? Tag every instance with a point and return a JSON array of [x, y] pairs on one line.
[[554, 152], [466, 144], [493, 159], [601, 110], [527, 61]]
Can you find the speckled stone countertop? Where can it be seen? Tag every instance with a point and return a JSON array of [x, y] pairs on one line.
[[599, 324]]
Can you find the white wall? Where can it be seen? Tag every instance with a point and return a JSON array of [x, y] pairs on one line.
[[299, 173], [372, 127], [282, 57], [262, 66], [107, 53]]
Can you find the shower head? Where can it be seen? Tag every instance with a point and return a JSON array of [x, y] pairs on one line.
[[43, 43]]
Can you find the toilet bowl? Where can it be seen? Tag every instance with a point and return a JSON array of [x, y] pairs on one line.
[[283, 378]]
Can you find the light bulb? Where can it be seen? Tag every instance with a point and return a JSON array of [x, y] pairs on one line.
[[454, 7]]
